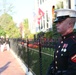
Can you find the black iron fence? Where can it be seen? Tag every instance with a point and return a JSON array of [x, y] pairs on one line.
[[36, 54]]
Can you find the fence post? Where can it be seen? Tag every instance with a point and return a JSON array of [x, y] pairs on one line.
[[27, 53], [40, 57]]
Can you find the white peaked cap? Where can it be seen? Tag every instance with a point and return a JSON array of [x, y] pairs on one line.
[[64, 12]]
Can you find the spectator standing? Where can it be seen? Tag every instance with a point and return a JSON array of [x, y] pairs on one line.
[[2, 41]]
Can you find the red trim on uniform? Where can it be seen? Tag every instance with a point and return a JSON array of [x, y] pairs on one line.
[[73, 58], [73, 38]]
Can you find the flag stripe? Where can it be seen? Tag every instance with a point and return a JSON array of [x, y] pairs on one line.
[[40, 15]]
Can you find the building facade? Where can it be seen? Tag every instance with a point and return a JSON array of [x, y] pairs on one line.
[[46, 22]]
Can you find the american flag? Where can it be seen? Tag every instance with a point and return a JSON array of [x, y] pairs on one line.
[[40, 15], [37, 17]]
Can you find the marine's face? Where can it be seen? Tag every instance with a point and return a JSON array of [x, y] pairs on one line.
[[62, 26]]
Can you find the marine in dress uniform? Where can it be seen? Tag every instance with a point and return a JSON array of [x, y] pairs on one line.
[[64, 62]]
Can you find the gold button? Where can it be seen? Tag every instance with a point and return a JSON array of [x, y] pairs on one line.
[[56, 67], [58, 46], [64, 37], [61, 54], [57, 51], [61, 41], [73, 36], [55, 62], [56, 56]]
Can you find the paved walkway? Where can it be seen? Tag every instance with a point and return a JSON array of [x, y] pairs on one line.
[[9, 64]]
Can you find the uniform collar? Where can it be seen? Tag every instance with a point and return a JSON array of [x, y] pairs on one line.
[[68, 35]]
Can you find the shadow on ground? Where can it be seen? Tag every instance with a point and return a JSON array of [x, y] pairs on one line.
[[4, 67]]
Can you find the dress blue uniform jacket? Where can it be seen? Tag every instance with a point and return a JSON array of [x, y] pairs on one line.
[[64, 57]]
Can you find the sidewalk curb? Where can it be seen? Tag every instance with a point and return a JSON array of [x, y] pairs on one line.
[[23, 66]]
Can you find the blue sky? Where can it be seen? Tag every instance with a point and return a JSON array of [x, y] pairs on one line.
[[23, 9]]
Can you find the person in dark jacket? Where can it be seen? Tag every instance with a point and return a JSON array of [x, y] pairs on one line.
[[7, 43], [2, 42], [64, 62]]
